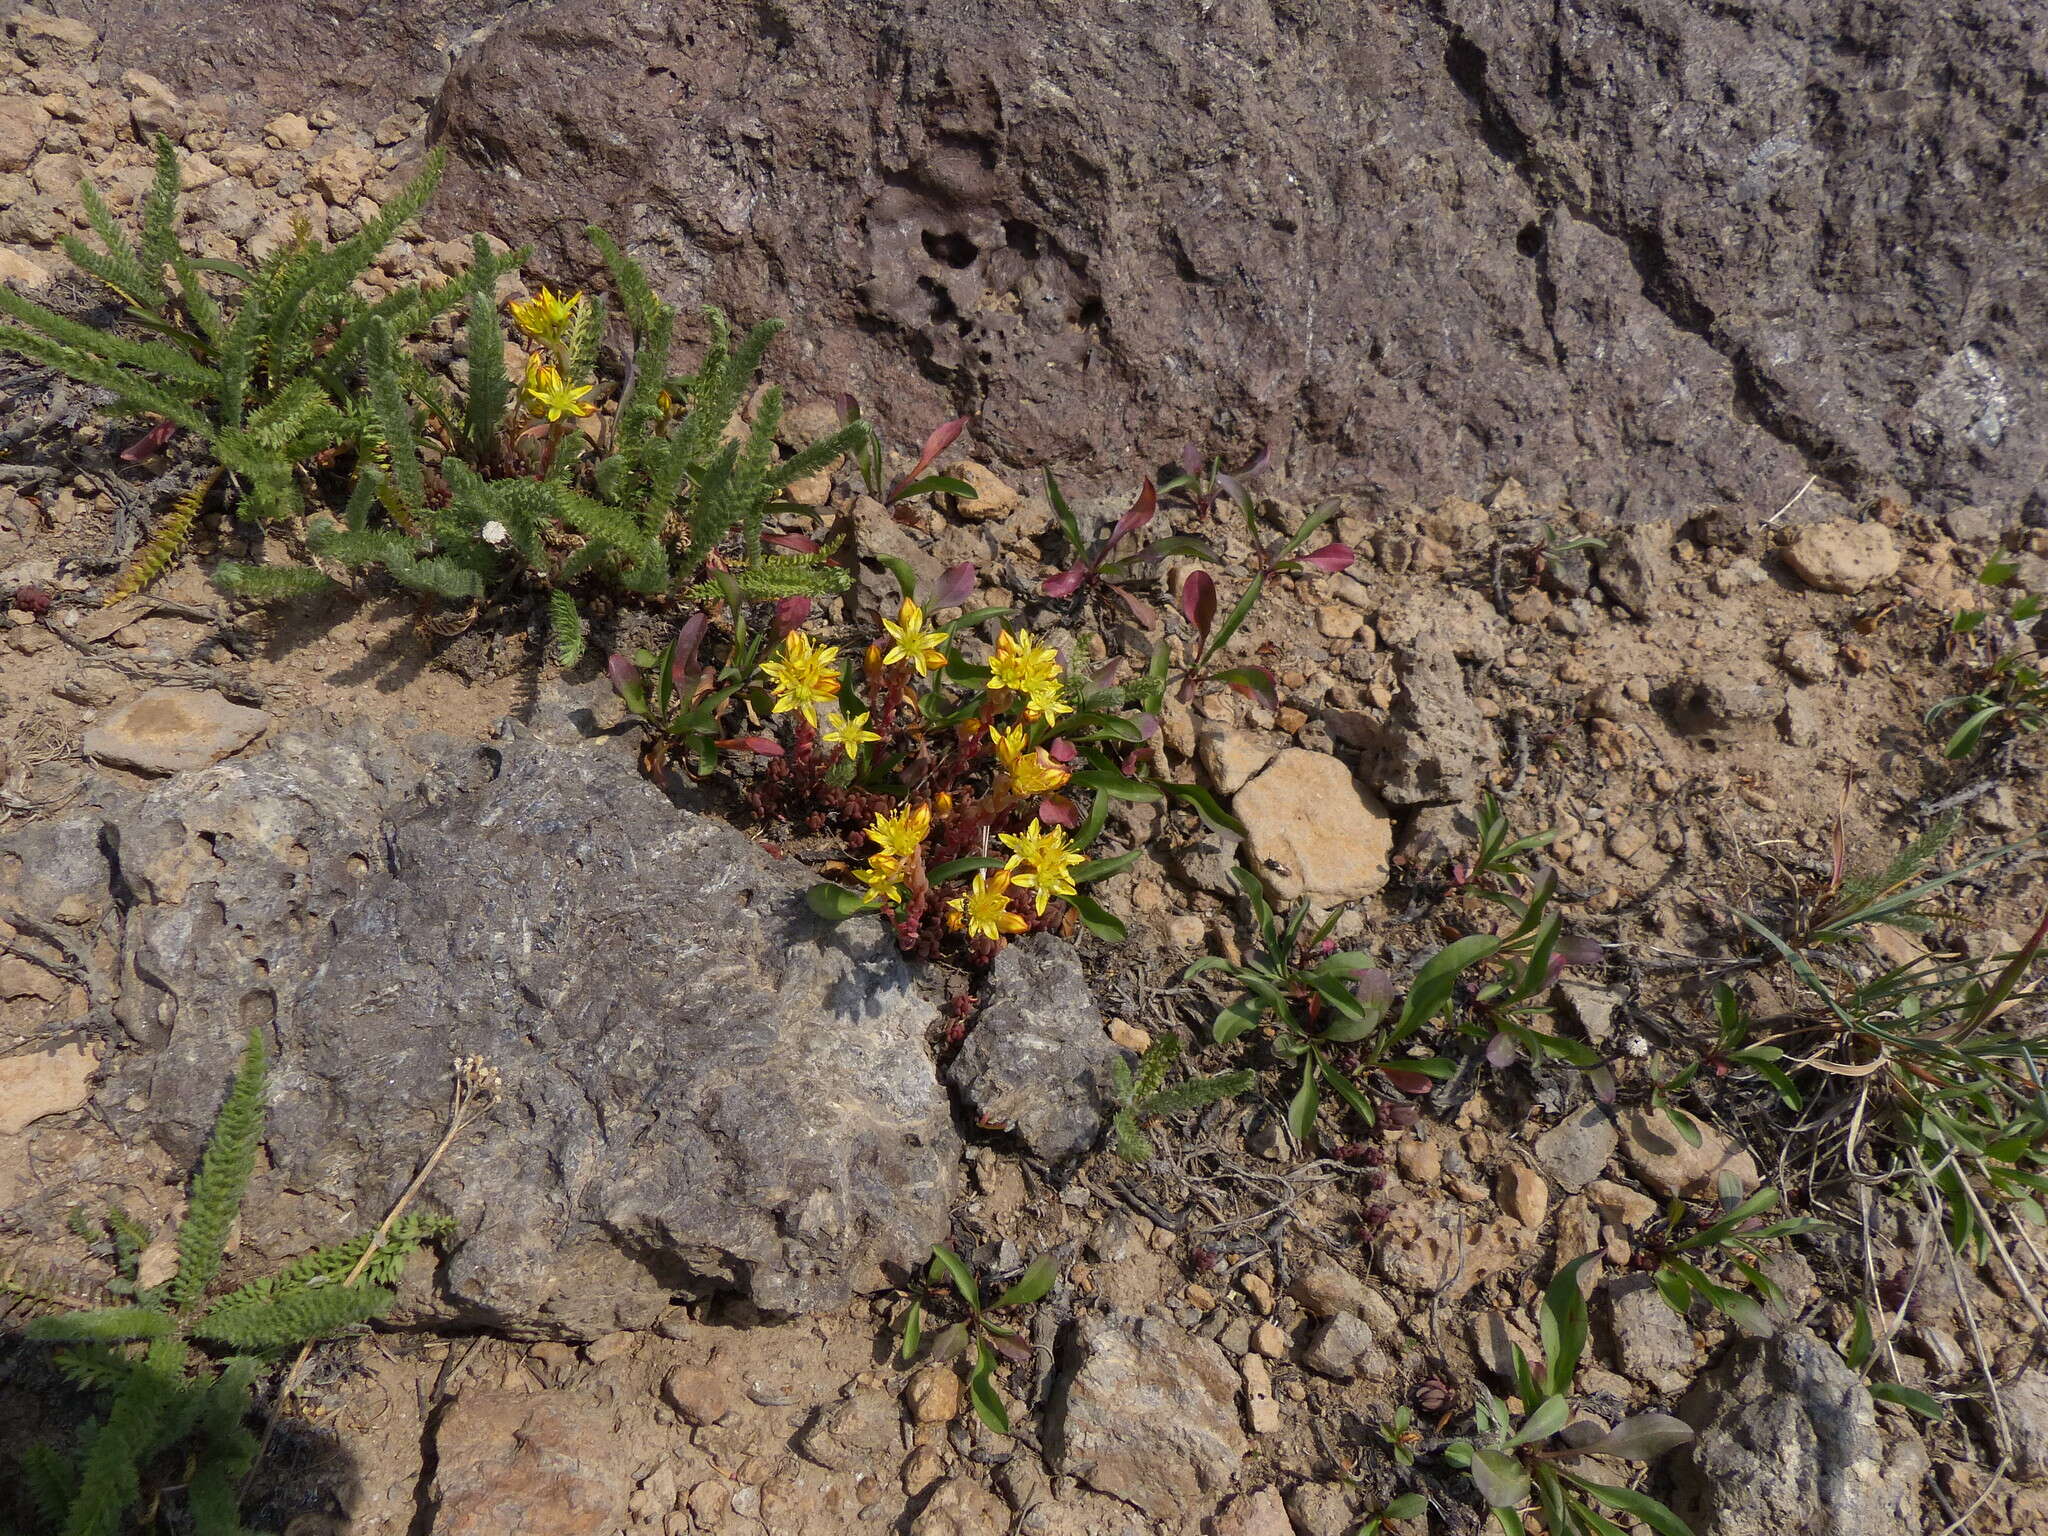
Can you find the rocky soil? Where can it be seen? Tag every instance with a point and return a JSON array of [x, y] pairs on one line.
[[728, 1134]]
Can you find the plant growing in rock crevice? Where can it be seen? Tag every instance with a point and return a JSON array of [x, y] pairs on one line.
[[1143, 1095], [952, 1286]]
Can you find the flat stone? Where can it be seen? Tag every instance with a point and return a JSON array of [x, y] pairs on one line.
[[1340, 1347], [1843, 556], [173, 730], [509, 1464], [962, 1507], [1037, 1059], [1522, 1194], [1254, 1514], [1672, 1166], [1642, 1337], [1230, 758], [1575, 1151], [1147, 1413], [1314, 830], [42, 1083], [701, 1394], [991, 499]]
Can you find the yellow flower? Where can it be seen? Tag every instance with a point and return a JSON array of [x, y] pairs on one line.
[[883, 877], [1022, 664], [914, 643], [850, 731], [804, 676], [1047, 702], [549, 394], [1041, 861], [898, 836], [985, 910], [547, 318], [1030, 772]]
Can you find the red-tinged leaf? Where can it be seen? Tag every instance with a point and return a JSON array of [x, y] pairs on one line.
[[1106, 674], [1059, 811], [795, 542], [622, 672], [1602, 1081], [1253, 683], [1140, 514], [1066, 584], [790, 612], [760, 746], [1374, 989], [1257, 464], [151, 443], [1198, 601], [1228, 485], [1191, 461], [1579, 950], [954, 586], [1330, 558], [1148, 726], [849, 408], [1016, 1351], [1146, 615], [1501, 1051], [1407, 1082], [1061, 750], [942, 438]]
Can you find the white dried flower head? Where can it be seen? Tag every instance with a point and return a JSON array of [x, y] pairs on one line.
[[1636, 1046], [493, 532]]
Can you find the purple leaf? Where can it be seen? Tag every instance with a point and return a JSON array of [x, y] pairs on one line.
[[622, 672], [793, 541], [1406, 1081], [1375, 989], [1106, 674], [940, 440], [1191, 461], [1066, 583], [1059, 811], [1139, 515], [789, 613], [760, 746], [1148, 726], [1146, 615], [1578, 949], [1257, 464], [684, 664], [1602, 1079], [1228, 485], [1330, 558], [1198, 601], [1253, 683], [1061, 750], [849, 408], [953, 587], [151, 443], [1501, 1051]]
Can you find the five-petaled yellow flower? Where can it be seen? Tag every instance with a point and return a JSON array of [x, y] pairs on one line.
[[898, 836], [850, 732], [914, 642], [1041, 861], [1022, 664], [547, 318], [804, 675], [549, 394], [985, 910], [883, 877], [1030, 772], [1047, 702]]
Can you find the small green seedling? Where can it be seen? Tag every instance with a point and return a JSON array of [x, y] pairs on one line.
[[1510, 1463], [1143, 1095], [1408, 1506], [978, 1329], [1738, 1238]]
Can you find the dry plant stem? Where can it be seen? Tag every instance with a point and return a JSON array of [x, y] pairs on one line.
[[1957, 1279], [471, 1097]]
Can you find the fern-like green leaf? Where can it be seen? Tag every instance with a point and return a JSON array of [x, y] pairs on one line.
[[177, 369], [777, 576], [146, 1406], [643, 309], [270, 583], [393, 414], [163, 547], [298, 1317], [1197, 1092], [131, 391], [335, 1263], [103, 1325], [565, 627], [490, 391], [825, 452], [121, 267], [748, 488], [51, 1479], [94, 1367], [160, 209], [223, 1175]]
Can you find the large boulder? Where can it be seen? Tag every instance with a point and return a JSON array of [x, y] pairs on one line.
[[705, 1088], [1666, 255], [1787, 1440]]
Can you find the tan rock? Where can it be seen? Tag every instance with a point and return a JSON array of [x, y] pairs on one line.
[[21, 132], [22, 272], [1314, 830], [1843, 556], [1231, 757], [339, 176], [170, 730], [1671, 1165], [962, 1507], [1254, 1514], [290, 131], [1261, 1410], [43, 38], [507, 1461], [700, 1393], [991, 498], [934, 1395], [42, 1083], [1523, 1194]]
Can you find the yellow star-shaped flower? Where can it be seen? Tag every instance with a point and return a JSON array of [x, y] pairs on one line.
[[549, 394], [547, 318], [1041, 861], [883, 877], [898, 836], [1021, 664], [1047, 702], [804, 675], [850, 732], [915, 643], [985, 910]]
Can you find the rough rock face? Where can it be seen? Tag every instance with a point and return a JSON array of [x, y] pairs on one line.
[[1669, 255], [1788, 1441], [1037, 1059], [705, 1088]]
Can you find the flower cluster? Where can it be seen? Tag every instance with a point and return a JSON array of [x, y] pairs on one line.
[[549, 322]]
